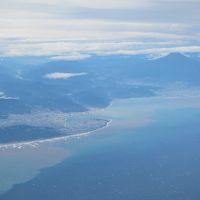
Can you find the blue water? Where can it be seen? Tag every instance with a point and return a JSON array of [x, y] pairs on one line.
[[159, 160]]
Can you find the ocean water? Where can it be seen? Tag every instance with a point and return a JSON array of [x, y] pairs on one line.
[[150, 151]]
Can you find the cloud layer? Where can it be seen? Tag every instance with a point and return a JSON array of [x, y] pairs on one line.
[[74, 29], [59, 75]]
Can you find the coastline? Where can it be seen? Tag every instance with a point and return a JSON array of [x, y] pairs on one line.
[[35, 143]]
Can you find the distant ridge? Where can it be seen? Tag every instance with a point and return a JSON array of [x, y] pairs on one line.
[[176, 57], [173, 67]]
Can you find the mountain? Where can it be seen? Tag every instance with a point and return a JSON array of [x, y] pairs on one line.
[[172, 68], [176, 67], [105, 78]]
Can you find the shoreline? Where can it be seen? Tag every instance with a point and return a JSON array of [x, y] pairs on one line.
[[34, 143]]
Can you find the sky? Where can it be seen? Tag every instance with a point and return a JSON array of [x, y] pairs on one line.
[[76, 29]]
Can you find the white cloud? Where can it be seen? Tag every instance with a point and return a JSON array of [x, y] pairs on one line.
[[111, 4], [74, 29], [72, 57], [156, 52], [82, 49], [99, 4], [5, 97], [59, 75]]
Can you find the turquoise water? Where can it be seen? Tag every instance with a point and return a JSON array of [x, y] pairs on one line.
[[150, 151]]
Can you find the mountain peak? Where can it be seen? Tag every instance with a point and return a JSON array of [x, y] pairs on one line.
[[175, 57]]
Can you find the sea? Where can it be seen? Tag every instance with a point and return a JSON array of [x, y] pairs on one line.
[[149, 151]]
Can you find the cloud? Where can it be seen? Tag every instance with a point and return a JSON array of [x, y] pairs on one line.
[[153, 53], [59, 75], [4, 97], [76, 56], [75, 29], [128, 44]]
